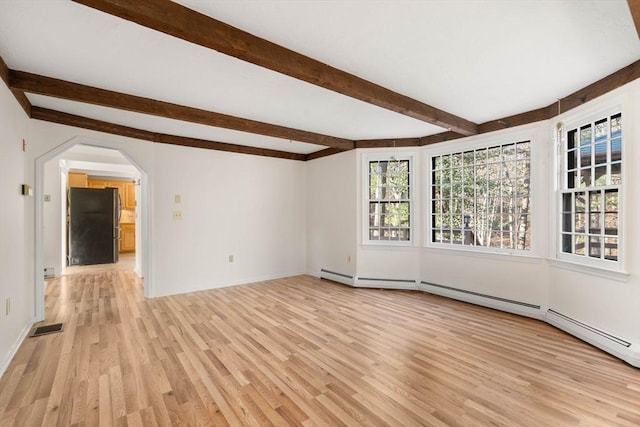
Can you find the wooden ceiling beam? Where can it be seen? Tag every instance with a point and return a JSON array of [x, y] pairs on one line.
[[18, 94], [53, 116], [322, 153], [613, 81], [181, 22], [42, 85], [397, 142], [634, 8]]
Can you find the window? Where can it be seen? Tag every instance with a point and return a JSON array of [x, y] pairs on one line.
[[389, 200], [481, 197], [592, 179]]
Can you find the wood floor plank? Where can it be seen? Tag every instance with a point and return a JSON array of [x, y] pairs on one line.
[[303, 352]]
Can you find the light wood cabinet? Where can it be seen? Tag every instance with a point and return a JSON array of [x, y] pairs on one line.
[[97, 183], [126, 189], [127, 237], [130, 196], [77, 179]]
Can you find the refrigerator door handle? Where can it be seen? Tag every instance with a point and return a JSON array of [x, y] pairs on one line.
[[119, 207]]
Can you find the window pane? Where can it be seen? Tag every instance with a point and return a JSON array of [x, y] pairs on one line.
[[611, 249], [580, 201], [595, 201], [481, 156], [436, 163], [616, 149], [572, 159], [567, 246], [601, 153], [585, 156], [566, 222], [579, 223], [579, 245], [611, 224], [468, 158], [493, 154], [611, 200], [571, 140], [600, 175], [585, 177], [567, 202], [616, 174], [594, 223], [489, 204], [585, 135], [594, 247]]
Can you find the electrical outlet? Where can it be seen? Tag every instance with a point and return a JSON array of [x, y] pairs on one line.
[[230, 258], [177, 214], [177, 198], [8, 308]]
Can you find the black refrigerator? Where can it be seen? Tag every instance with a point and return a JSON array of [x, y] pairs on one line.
[[94, 232]]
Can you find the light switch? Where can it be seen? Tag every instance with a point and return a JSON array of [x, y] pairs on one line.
[[177, 198]]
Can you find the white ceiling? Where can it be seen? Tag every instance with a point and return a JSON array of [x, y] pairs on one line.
[[481, 60]]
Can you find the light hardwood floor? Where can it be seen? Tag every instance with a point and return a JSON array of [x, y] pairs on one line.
[[301, 351]]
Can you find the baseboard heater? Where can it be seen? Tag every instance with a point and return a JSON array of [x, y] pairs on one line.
[[589, 328], [375, 279], [336, 277], [478, 294]]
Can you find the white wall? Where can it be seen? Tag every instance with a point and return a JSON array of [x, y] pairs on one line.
[[52, 217], [251, 207], [331, 220], [15, 274]]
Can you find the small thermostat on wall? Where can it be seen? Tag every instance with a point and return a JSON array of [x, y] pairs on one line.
[[26, 190]]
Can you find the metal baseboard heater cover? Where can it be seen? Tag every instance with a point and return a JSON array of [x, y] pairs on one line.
[[47, 329], [478, 294], [590, 329], [336, 274]]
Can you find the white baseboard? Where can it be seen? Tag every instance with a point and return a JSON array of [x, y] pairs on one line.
[[345, 279], [622, 349], [374, 282], [16, 345], [503, 304]]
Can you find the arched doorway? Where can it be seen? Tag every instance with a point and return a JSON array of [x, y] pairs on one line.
[[143, 248]]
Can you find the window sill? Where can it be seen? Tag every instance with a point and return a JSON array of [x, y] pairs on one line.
[[501, 256], [620, 276], [387, 244]]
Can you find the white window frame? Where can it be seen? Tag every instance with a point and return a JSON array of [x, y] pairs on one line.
[[485, 142], [576, 122], [381, 157]]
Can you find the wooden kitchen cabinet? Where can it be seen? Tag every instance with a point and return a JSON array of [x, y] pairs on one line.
[[126, 189], [129, 195], [77, 179], [97, 183], [127, 237]]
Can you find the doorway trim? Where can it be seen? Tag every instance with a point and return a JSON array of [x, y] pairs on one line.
[[144, 210]]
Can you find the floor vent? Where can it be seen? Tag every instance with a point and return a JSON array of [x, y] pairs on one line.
[[46, 329]]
